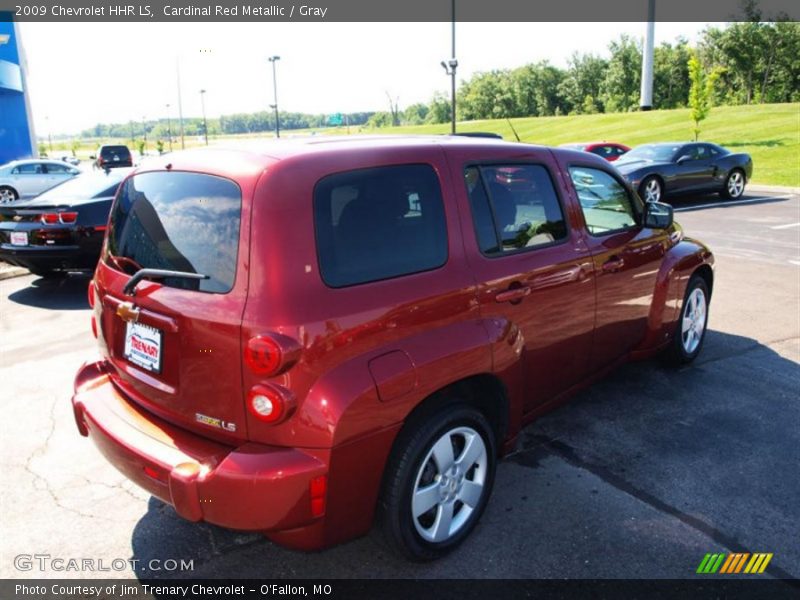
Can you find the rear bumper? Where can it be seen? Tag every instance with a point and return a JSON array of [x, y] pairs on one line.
[[252, 487], [50, 257]]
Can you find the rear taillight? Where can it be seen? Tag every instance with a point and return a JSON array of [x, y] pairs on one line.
[[262, 355], [271, 354], [270, 403], [65, 218], [90, 293], [318, 488]]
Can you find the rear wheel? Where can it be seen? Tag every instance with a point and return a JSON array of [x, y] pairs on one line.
[[690, 332], [8, 194], [651, 189], [734, 185], [438, 481]]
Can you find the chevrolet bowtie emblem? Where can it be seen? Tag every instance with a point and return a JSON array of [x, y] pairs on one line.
[[128, 312]]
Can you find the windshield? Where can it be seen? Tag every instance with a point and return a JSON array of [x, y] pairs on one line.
[[86, 186], [652, 152], [177, 221]]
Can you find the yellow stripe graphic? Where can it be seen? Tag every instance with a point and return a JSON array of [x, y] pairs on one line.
[[765, 563]]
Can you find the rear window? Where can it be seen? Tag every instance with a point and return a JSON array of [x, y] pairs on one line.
[[379, 223], [111, 151], [88, 185], [178, 221]]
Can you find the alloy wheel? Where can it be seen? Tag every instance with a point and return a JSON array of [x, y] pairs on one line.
[[449, 484], [735, 184], [694, 320], [652, 191]]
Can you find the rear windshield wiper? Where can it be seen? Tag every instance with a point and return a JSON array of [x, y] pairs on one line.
[[130, 287]]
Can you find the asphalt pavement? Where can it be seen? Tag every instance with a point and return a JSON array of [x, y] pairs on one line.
[[638, 477]]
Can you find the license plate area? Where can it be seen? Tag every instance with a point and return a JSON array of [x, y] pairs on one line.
[[19, 238], [144, 346]]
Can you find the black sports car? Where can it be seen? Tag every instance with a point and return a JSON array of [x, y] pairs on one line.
[[660, 170], [61, 229]]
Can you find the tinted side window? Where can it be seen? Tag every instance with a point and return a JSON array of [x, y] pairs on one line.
[[28, 169], [514, 207], [379, 223], [56, 168], [605, 202], [604, 151]]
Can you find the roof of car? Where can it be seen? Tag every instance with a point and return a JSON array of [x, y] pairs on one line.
[[250, 156]]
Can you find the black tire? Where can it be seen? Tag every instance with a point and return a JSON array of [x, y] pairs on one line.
[[679, 352], [652, 186], [8, 194], [731, 191], [411, 462]]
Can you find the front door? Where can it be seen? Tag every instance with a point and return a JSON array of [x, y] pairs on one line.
[[626, 257]]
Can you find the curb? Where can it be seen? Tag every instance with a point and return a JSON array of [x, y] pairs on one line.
[[13, 272], [778, 189]]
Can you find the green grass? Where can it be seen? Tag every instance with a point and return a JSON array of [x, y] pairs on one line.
[[770, 133]]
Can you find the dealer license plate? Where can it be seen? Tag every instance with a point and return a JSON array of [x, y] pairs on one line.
[[19, 238], [143, 346]]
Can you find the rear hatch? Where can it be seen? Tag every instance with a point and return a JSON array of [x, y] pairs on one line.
[[174, 343], [115, 155]]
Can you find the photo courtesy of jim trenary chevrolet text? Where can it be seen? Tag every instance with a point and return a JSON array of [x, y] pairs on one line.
[[381, 299]]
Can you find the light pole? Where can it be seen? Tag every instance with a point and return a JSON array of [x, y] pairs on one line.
[[450, 69], [49, 135], [203, 105], [169, 129], [273, 60], [144, 131], [646, 96], [180, 104]]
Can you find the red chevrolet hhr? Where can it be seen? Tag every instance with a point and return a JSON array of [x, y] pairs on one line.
[[297, 339]]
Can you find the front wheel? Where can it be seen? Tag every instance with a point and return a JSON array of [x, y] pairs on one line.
[[651, 189], [438, 482], [690, 332], [734, 185]]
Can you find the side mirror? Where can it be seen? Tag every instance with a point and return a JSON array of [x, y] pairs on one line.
[[683, 159], [658, 215]]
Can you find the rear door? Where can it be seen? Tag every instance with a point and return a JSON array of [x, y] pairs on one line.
[[174, 345], [533, 272]]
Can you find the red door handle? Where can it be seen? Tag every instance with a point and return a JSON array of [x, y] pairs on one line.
[[513, 295], [613, 264]]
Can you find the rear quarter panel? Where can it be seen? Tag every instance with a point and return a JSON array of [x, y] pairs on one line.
[[431, 317]]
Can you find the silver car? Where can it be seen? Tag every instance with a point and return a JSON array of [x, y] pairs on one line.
[[29, 178]]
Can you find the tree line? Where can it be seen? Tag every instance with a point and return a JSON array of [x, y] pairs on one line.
[[753, 61]]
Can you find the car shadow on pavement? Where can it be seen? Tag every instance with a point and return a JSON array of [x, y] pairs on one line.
[[61, 293], [650, 460]]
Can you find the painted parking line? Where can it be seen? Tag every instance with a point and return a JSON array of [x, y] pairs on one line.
[[795, 262], [732, 202], [787, 226]]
